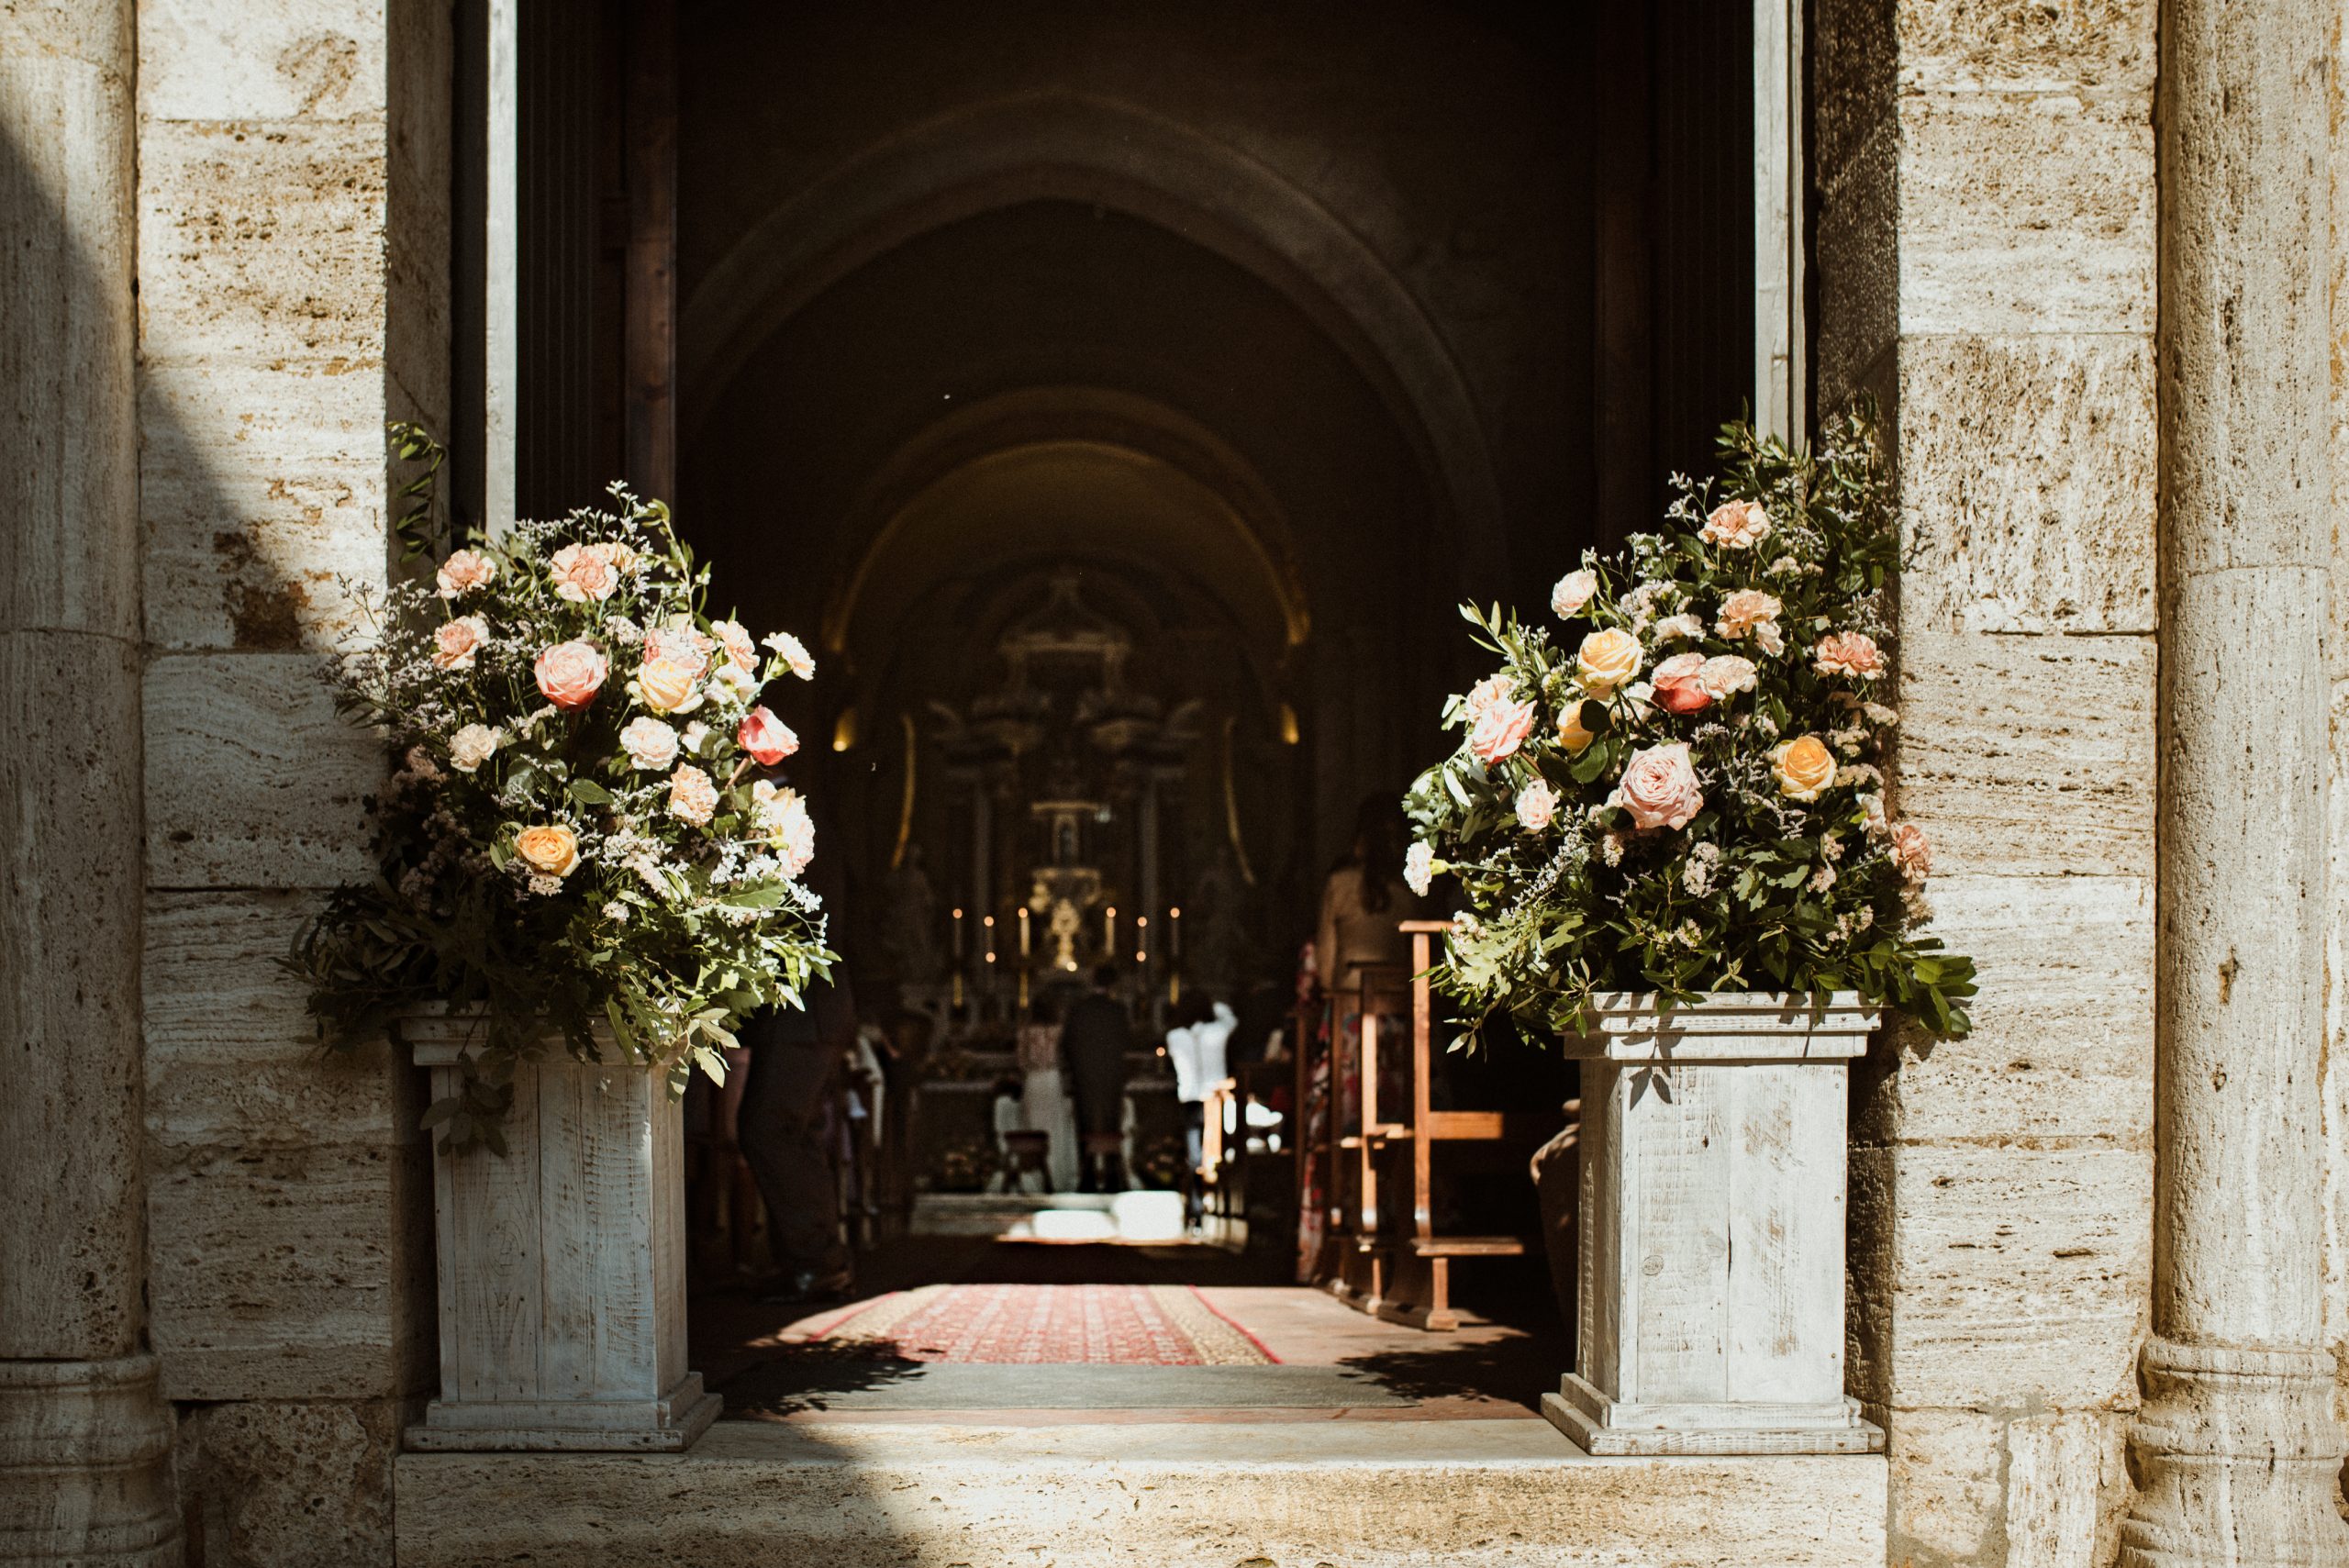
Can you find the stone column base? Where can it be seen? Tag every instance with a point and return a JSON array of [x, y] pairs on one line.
[[2238, 1459], [85, 1471]]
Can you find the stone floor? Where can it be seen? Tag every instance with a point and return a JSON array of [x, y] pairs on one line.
[[1334, 1364], [1382, 1448]]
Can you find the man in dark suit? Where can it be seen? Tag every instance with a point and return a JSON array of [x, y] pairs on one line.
[[1095, 1038]]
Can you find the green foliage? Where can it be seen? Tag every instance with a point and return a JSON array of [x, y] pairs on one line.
[[1577, 882]]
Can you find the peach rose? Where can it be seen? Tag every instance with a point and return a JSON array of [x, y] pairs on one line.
[[692, 797], [1850, 653], [766, 737], [1572, 592], [1537, 803], [1660, 788], [550, 848], [1726, 674], [1804, 766], [1913, 854], [1736, 525], [1678, 685], [1571, 733], [454, 642], [1606, 660], [1503, 728], [582, 572], [670, 686], [464, 570], [650, 745], [570, 674]]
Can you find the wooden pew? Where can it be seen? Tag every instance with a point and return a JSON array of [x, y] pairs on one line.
[[1401, 1268]]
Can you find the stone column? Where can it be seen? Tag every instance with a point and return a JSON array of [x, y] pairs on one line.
[[84, 1440], [2237, 1451]]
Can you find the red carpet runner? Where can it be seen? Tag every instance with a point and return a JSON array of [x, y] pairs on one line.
[[1119, 1325]]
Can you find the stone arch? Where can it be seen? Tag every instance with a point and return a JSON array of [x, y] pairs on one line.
[[1142, 431], [1072, 147]]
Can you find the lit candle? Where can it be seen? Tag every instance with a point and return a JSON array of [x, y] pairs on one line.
[[1109, 929], [988, 921], [1174, 933], [1023, 931], [958, 933]]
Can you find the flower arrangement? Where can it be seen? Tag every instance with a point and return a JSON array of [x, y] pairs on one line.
[[1681, 792], [581, 833]]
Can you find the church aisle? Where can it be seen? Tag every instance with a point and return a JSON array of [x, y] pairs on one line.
[[1021, 1336]]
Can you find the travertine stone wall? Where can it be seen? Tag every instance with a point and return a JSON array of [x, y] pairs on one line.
[[293, 231], [2335, 1059], [1986, 249]]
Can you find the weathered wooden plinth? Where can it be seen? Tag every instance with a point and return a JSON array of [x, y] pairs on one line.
[[1711, 1309], [561, 1264]]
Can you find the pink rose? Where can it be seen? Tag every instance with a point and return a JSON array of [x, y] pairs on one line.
[[1679, 685], [583, 572], [1482, 696], [1537, 803], [1502, 728], [570, 674], [1660, 788], [766, 737], [1849, 654], [1913, 854], [1736, 525], [455, 642], [464, 570]]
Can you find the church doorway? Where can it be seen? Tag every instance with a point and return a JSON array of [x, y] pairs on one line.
[[1120, 401]]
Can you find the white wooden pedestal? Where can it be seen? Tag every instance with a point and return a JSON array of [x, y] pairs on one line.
[[1711, 1267], [562, 1264]]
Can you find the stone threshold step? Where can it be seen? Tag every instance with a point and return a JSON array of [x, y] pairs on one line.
[[1464, 1494]]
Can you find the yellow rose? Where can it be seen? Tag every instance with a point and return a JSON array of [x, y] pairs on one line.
[[667, 684], [1606, 660], [551, 850], [1804, 766], [1571, 734]]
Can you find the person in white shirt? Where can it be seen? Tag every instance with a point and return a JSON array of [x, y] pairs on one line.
[[1197, 1049]]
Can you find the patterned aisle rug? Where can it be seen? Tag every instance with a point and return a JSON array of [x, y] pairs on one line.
[[1108, 1325]]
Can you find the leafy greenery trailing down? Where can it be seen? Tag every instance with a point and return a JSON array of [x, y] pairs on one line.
[[582, 837], [1680, 792]]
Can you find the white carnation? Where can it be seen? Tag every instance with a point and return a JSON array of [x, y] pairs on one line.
[[474, 744], [1419, 868]]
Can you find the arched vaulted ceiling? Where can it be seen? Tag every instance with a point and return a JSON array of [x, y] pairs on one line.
[[1052, 324]]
